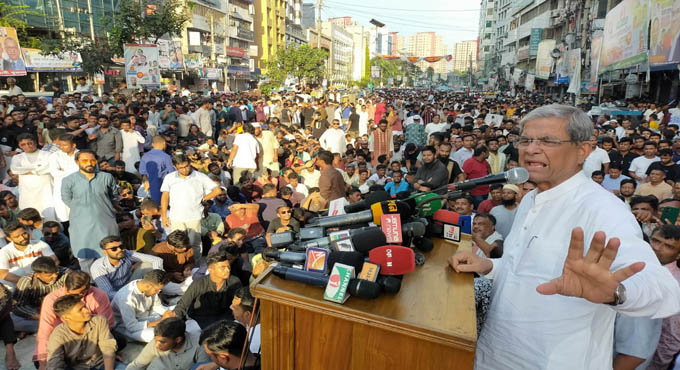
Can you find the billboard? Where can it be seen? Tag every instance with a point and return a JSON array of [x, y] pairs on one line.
[[141, 66], [543, 59], [69, 61], [664, 32], [534, 41], [192, 61], [170, 55], [12, 58], [625, 35]]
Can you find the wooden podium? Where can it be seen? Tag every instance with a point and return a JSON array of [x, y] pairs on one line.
[[429, 324]]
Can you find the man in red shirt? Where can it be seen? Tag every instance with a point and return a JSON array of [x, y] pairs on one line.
[[477, 167], [495, 199]]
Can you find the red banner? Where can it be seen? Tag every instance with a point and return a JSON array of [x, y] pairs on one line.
[[432, 59], [236, 52]]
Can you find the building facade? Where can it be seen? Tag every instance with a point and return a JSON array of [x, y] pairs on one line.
[[464, 56], [295, 34], [240, 51], [428, 44], [270, 29], [341, 55]]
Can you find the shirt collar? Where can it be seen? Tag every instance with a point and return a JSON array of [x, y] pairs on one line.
[[560, 190]]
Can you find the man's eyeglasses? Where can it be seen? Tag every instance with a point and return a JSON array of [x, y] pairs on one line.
[[544, 142], [114, 249], [286, 212]]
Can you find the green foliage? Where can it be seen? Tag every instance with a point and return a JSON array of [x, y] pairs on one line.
[[138, 21], [390, 69], [13, 15], [303, 62], [363, 83], [430, 72], [267, 88]]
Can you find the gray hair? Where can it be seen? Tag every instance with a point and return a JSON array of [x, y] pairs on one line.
[[580, 126]]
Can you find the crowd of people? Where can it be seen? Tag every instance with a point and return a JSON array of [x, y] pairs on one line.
[[142, 216]]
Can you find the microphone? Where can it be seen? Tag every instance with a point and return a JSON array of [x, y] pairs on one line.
[[369, 215], [369, 236], [393, 259], [363, 289], [354, 259], [389, 284], [515, 176], [294, 258], [306, 277], [373, 197]]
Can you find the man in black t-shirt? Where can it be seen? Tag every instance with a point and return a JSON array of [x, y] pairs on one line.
[[282, 222]]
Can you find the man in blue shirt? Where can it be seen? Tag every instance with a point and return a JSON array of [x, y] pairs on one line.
[[396, 185], [154, 165]]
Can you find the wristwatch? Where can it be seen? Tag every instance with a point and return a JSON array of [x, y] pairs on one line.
[[619, 295]]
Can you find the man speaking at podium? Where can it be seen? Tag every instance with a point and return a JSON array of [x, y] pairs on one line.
[[573, 259]]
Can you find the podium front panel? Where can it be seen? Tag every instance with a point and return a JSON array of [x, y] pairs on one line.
[[429, 324]]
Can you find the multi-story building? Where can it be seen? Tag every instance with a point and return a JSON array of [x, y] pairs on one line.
[[240, 52], [465, 56], [270, 29], [428, 44], [360, 40], [341, 56], [398, 44], [379, 41], [308, 15], [487, 36], [295, 34]]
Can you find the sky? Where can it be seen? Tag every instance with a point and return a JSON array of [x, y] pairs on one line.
[[454, 20]]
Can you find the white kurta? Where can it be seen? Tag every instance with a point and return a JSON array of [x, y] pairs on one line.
[[334, 141], [130, 155], [61, 165], [363, 123], [35, 189], [526, 330]]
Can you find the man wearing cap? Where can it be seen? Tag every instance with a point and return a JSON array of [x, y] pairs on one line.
[[269, 147], [414, 133], [505, 213]]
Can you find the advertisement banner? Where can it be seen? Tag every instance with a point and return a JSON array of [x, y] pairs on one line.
[[529, 82], [12, 58], [66, 62], [141, 66], [566, 65], [595, 47], [210, 73], [664, 32], [543, 59], [625, 36], [192, 61], [534, 41], [170, 55]]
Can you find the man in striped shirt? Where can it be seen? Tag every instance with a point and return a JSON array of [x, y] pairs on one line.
[[31, 290]]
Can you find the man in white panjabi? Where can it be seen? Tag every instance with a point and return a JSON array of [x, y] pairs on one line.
[[553, 304], [131, 141], [35, 182], [62, 164]]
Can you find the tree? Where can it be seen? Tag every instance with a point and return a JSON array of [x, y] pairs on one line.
[[13, 16], [389, 68], [303, 62], [147, 20], [430, 73], [96, 54]]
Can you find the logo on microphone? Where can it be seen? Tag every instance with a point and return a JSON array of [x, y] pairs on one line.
[[338, 281], [316, 261]]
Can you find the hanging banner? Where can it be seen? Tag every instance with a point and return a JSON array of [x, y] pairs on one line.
[[141, 66], [625, 36], [595, 47], [529, 83], [12, 58], [192, 61], [534, 40], [375, 72], [210, 73], [432, 59], [170, 55], [516, 75], [69, 61], [664, 32], [414, 59], [566, 65], [388, 57], [543, 59]]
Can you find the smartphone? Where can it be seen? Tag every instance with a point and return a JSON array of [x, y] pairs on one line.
[[670, 214]]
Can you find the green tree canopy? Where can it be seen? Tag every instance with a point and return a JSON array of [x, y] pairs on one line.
[[138, 21], [303, 62]]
